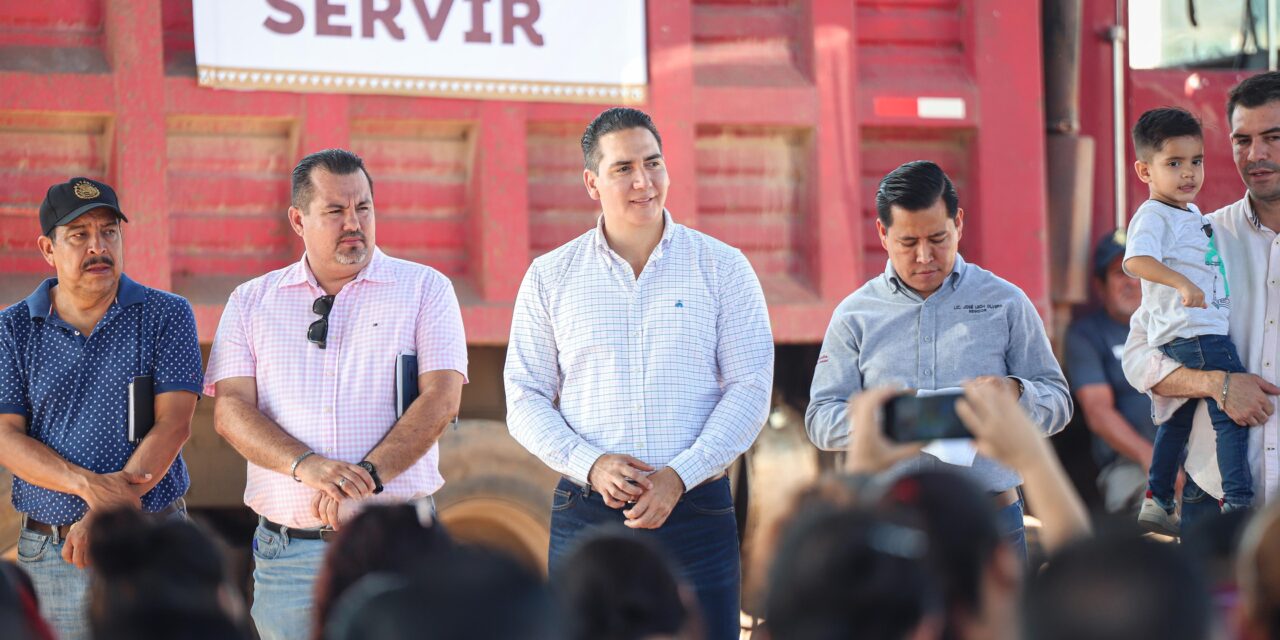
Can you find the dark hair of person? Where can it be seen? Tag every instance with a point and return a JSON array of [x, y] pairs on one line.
[[846, 573], [915, 186], [1118, 588], [338, 162], [462, 593], [156, 622], [19, 606], [382, 538], [1253, 92], [1257, 572], [611, 120], [1212, 543], [1157, 126], [147, 568], [615, 586], [963, 532]]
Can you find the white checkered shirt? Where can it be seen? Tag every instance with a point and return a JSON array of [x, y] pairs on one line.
[[340, 400], [674, 367]]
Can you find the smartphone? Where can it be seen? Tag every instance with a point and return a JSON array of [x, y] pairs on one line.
[[912, 418]]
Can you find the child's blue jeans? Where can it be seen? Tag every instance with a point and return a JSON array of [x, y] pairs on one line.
[[1204, 353]]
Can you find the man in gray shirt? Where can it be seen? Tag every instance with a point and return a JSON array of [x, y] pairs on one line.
[[933, 321]]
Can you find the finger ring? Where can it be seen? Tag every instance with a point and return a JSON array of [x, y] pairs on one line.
[[342, 481]]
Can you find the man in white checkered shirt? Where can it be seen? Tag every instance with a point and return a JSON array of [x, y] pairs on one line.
[[640, 366], [304, 369]]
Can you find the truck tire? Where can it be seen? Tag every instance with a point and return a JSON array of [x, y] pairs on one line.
[[781, 463], [496, 493]]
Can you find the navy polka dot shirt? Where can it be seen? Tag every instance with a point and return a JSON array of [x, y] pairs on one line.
[[74, 391]]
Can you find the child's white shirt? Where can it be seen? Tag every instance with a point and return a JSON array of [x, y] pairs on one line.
[[1180, 240]]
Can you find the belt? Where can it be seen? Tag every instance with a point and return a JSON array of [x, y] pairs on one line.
[[1005, 498], [587, 487], [59, 531], [326, 534]]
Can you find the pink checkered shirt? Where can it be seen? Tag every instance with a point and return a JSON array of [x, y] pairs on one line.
[[339, 401]]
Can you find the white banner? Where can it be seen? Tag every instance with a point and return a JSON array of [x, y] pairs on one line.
[[544, 50]]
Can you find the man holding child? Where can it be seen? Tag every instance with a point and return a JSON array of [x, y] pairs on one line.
[[1245, 236]]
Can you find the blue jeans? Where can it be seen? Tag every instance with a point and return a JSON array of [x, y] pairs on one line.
[[1196, 506], [1203, 353], [700, 536], [61, 587], [1013, 530], [284, 574]]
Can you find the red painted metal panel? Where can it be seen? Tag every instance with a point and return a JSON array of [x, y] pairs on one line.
[[499, 230], [795, 106], [751, 182], [61, 24], [834, 230], [671, 82], [1096, 93], [179, 33], [558, 206], [53, 14], [748, 43], [227, 196], [1009, 214], [230, 235], [326, 123], [137, 166], [183, 97], [47, 92], [889, 40], [934, 28], [767, 109]]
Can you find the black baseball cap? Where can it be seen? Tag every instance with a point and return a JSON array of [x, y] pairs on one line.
[[1109, 247], [71, 199]]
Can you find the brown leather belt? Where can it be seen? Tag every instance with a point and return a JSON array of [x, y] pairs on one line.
[[60, 531], [1005, 498]]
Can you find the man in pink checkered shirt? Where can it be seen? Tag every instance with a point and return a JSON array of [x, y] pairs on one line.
[[304, 369]]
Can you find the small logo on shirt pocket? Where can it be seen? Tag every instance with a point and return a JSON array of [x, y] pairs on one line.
[[679, 304]]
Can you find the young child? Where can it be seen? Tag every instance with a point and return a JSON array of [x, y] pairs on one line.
[[1184, 291]]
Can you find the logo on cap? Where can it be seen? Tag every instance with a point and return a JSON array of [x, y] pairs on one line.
[[86, 191]]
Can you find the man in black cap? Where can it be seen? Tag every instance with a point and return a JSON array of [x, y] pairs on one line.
[[1118, 416], [80, 362]]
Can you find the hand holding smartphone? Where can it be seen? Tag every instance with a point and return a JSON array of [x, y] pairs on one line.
[[910, 418]]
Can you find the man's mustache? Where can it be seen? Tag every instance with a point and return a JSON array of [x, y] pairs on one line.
[[353, 234], [1262, 164], [97, 260]]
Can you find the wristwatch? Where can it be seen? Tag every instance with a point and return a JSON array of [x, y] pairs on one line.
[[373, 472]]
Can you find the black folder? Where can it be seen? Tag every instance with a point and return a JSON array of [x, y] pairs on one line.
[[142, 407], [406, 382]]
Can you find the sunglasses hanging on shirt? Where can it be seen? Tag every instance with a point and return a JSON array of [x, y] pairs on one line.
[[318, 332]]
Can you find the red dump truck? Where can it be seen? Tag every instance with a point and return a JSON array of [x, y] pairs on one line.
[[778, 118]]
